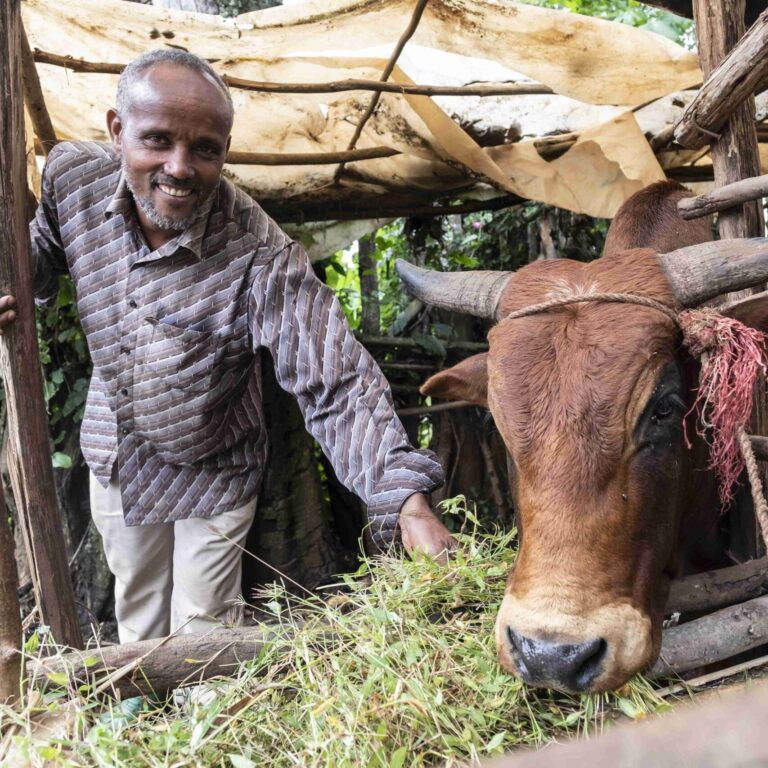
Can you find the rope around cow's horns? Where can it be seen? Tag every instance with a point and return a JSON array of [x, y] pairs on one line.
[[732, 355]]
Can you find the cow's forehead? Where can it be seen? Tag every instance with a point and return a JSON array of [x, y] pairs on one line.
[[572, 382]]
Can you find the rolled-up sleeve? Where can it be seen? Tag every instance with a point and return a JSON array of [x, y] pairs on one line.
[[345, 398], [48, 257]]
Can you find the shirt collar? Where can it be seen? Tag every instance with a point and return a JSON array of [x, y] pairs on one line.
[[191, 238]]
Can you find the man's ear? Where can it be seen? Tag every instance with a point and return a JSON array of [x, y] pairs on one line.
[[115, 128], [466, 381]]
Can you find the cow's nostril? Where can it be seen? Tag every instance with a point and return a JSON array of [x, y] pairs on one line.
[[568, 666]]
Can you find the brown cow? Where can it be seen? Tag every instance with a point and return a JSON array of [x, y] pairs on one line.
[[590, 400]]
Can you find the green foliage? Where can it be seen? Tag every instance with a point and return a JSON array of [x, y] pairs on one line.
[[66, 367]]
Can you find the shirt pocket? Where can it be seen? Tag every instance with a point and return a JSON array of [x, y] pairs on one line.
[[169, 357]]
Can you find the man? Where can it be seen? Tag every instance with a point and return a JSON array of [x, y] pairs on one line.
[[181, 280]]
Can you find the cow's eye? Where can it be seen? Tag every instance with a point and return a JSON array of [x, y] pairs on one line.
[[667, 407]]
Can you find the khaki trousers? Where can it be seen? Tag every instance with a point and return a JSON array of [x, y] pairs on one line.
[[181, 576]]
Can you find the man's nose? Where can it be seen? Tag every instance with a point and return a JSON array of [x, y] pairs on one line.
[[179, 163]]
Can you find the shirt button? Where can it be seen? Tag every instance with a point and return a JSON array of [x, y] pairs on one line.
[[125, 430], [124, 392], [125, 351], [132, 304]]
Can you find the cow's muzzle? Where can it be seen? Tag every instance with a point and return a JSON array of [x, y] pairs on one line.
[[550, 664]]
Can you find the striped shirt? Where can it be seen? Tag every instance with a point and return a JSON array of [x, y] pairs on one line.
[[175, 336]]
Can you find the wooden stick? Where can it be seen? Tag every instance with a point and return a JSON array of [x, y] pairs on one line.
[[33, 96], [10, 614], [390, 65], [353, 84], [309, 158], [283, 213], [19, 360], [158, 665], [711, 677], [334, 86], [426, 409], [714, 589], [729, 85], [725, 197], [712, 638], [397, 341]]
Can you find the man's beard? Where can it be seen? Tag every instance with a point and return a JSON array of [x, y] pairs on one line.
[[166, 223]]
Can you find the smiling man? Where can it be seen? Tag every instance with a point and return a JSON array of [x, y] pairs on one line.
[[181, 281]]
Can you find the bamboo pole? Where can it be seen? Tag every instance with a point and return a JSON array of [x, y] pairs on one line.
[[10, 615], [30, 457]]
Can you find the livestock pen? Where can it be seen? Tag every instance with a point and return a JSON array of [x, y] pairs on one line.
[[381, 603]]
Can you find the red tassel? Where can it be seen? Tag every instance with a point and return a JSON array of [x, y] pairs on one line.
[[732, 356]]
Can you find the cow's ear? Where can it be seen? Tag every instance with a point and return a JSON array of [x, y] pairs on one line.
[[466, 381], [751, 310]]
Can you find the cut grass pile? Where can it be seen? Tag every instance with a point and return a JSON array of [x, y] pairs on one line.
[[398, 669]]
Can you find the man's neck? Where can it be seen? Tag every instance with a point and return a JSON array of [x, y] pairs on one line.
[[155, 237]]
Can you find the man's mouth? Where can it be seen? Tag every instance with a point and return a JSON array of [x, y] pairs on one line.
[[175, 191]]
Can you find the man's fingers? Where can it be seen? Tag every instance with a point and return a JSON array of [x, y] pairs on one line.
[[7, 313]]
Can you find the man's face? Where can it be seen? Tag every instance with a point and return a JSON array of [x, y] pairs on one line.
[[172, 142]]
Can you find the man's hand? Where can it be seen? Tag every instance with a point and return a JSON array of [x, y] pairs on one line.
[[7, 312], [422, 531]]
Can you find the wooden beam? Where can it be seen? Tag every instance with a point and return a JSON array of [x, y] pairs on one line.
[[714, 589], [158, 665], [729, 85], [11, 636], [334, 86], [30, 460], [719, 27], [723, 198], [713, 638], [33, 96]]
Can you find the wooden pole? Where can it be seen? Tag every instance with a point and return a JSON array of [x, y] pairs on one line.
[[33, 95], [30, 459], [731, 83], [719, 27], [723, 198], [10, 615]]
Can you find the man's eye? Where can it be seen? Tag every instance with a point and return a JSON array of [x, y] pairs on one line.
[[209, 151], [156, 140]]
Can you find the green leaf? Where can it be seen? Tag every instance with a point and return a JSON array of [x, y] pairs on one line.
[[398, 758], [495, 742], [61, 460], [628, 707], [58, 678], [431, 344]]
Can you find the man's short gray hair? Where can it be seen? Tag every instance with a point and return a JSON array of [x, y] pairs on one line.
[[138, 67]]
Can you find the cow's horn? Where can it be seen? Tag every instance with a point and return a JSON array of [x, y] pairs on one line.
[[701, 272], [473, 293]]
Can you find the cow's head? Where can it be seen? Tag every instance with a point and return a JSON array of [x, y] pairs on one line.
[[590, 401]]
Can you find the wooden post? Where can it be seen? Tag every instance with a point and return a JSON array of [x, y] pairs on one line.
[[30, 459], [719, 27], [10, 616], [369, 286]]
